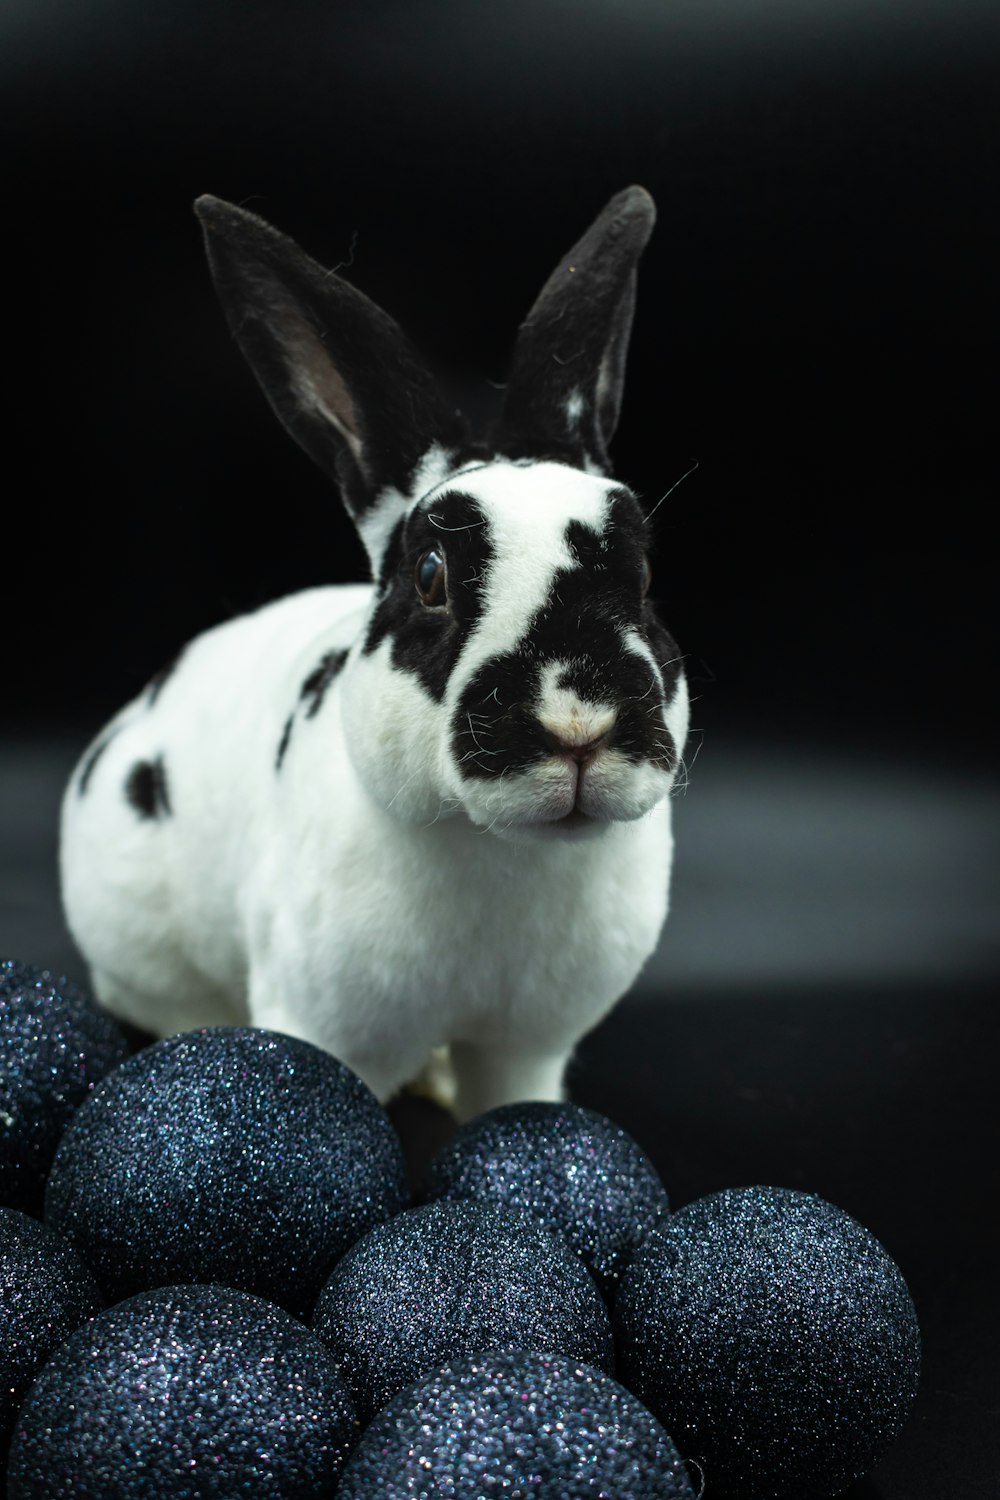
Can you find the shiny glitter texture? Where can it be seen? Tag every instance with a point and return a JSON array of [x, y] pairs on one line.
[[192, 1391], [55, 1045], [46, 1292], [573, 1169], [519, 1425], [775, 1339], [449, 1279], [233, 1155]]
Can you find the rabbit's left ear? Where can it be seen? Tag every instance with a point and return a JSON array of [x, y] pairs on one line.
[[564, 389]]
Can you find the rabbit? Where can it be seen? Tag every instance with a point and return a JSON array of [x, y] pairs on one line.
[[427, 816]]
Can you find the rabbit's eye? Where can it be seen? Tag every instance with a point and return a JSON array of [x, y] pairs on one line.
[[429, 576], [647, 577]]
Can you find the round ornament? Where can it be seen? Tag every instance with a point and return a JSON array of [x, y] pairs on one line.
[[774, 1338], [448, 1279], [180, 1392], [55, 1046], [523, 1423], [231, 1155], [46, 1292], [570, 1167]]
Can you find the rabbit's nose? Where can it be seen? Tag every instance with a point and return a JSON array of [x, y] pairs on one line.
[[583, 752]]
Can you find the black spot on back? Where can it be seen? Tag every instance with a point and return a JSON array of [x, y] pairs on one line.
[[146, 788], [286, 735], [312, 693], [314, 688]]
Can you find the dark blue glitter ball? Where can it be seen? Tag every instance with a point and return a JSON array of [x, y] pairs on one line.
[[775, 1339], [518, 1424], [46, 1292], [455, 1278], [232, 1155], [182, 1392], [573, 1169], [55, 1045]]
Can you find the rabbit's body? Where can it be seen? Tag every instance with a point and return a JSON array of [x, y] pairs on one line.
[[430, 811]]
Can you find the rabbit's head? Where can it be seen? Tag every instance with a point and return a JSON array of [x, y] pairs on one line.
[[512, 667]]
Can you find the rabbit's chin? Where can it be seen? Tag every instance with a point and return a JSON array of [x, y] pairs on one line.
[[575, 827], [547, 805]]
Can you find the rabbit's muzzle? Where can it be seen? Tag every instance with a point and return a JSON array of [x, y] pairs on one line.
[[562, 764]]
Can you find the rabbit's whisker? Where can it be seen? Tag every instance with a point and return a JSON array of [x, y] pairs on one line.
[[470, 526], [659, 502], [473, 733], [400, 790]]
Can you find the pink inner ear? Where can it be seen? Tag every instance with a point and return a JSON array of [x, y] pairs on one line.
[[317, 381]]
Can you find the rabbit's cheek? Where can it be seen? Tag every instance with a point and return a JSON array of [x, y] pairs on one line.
[[395, 744], [615, 789]]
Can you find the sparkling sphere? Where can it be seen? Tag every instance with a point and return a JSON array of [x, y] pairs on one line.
[[774, 1338], [570, 1167], [180, 1392], [46, 1292], [537, 1425], [230, 1155], [55, 1045], [449, 1279]]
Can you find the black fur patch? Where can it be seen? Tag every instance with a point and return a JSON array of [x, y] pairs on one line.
[[314, 688], [494, 730], [146, 788], [426, 642], [286, 735], [312, 692], [87, 769], [155, 685]]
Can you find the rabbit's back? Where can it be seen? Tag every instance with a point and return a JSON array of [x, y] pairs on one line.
[[175, 801]]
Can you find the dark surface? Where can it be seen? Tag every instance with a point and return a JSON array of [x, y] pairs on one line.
[[880, 1100], [816, 330]]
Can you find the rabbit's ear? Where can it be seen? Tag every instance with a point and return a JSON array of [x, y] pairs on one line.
[[339, 372], [564, 389]]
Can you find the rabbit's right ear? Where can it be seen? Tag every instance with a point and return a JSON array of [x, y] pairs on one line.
[[339, 372]]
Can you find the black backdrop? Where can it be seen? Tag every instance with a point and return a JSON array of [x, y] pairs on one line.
[[817, 323]]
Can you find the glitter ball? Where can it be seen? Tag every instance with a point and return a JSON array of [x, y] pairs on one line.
[[55, 1045], [575, 1170], [230, 1155], [519, 1424], [46, 1292], [775, 1339], [448, 1279], [180, 1392]]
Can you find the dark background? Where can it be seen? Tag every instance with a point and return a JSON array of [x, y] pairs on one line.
[[817, 331], [817, 325]]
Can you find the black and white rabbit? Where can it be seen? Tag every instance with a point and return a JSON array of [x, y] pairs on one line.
[[429, 811]]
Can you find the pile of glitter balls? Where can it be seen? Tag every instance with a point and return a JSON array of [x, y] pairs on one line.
[[215, 1280]]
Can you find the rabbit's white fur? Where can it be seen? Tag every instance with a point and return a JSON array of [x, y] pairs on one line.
[[342, 864]]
